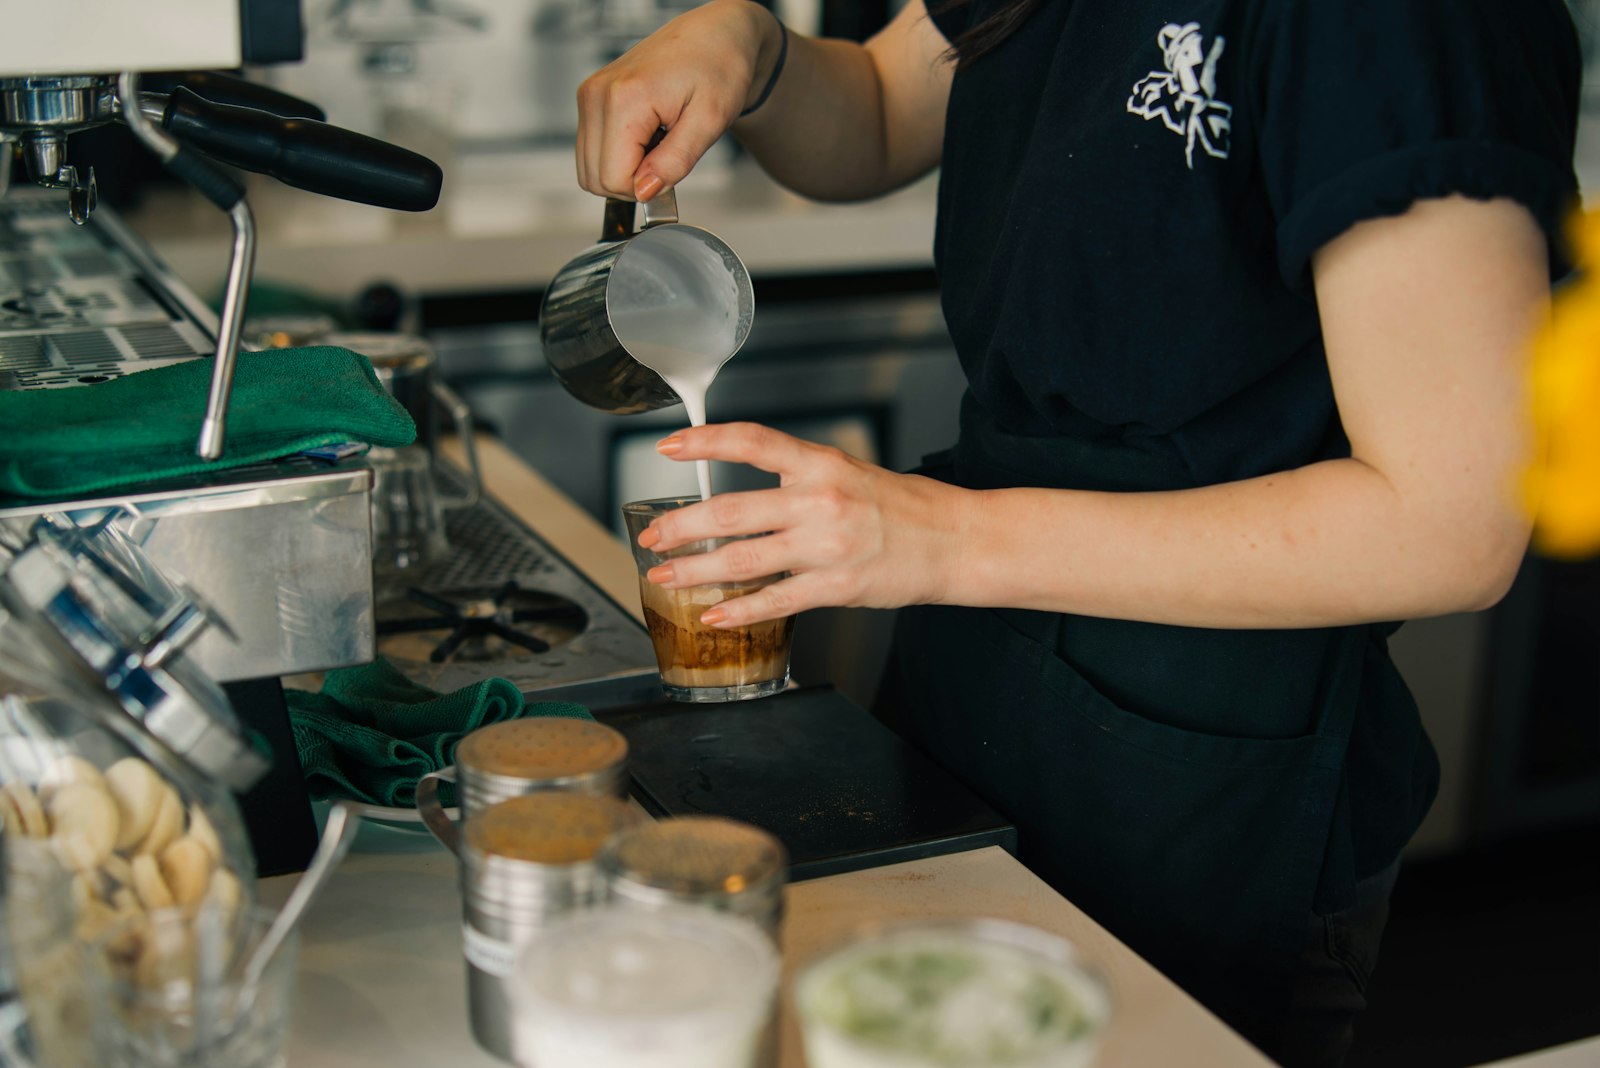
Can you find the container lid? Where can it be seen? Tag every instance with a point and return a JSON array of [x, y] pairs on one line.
[[128, 624], [543, 748], [697, 857], [553, 827]]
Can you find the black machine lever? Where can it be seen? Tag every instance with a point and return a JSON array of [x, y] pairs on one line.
[[219, 88], [305, 153]]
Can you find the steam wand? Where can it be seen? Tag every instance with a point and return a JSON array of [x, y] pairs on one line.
[[228, 194]]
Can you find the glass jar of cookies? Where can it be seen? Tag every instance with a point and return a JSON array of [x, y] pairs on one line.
[[103, 823]]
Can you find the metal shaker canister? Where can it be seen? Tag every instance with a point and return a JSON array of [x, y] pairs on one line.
[[525, 862], [522, 756], [707, 861]]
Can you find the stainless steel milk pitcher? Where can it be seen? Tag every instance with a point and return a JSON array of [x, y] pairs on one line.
[[668, 283]]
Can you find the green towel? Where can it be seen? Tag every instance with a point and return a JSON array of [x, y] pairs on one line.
[[372, 733], [143, 426]]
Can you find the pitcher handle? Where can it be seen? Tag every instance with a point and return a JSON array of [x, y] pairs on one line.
[[662, 208], [432, 812]]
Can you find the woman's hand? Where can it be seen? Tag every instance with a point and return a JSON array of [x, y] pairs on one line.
[[848, 533], [693, 76]]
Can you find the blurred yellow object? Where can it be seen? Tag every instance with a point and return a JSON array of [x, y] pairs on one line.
[[1563, 486]]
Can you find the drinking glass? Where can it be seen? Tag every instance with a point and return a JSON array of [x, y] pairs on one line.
[[978, 993], [699, 662]]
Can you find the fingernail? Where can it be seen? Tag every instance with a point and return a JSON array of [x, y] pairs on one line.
[[670, 444], [648, 187], [648, 537], [712, 616], [660, 573]]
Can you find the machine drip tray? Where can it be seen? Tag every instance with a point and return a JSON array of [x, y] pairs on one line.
[[838, 788]]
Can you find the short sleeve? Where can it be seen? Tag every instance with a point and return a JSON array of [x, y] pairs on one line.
[[1365, 106], [954, 17]]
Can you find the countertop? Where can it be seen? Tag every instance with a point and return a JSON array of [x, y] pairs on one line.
[[509, 223], [381, 978]]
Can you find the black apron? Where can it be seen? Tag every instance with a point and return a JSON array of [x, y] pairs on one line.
[[1176, 783]]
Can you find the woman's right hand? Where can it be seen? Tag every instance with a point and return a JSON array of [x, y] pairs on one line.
[[694, 76]]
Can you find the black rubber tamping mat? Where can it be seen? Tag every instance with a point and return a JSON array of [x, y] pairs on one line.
[[838, 788]]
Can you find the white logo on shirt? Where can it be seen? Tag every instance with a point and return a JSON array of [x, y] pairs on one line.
[[1185, 96]]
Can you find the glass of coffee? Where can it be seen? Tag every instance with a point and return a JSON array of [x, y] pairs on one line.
[[700, 662]]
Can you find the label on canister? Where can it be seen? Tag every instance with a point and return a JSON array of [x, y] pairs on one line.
[[489, 955]]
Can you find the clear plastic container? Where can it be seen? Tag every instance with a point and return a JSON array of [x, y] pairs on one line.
[[981, 993]]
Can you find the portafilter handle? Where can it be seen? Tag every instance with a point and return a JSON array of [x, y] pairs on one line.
[[305, 153]]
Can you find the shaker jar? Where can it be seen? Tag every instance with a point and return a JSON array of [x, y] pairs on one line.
[[524, 862], [708, 861], [523, 756]]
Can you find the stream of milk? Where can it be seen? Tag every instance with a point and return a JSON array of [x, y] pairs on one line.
[[690, 373], [674, 303], [688, 365]]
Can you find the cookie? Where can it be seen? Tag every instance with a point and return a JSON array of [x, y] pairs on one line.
[[116, 868], [167, 825], [138, 789], [149, 885], [83, 825], [201, 830], [186, 867]]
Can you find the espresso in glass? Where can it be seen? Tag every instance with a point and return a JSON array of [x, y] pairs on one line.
[[699, 662]]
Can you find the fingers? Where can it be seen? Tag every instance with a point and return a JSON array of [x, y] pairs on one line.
[[745, 443], [691, 137], [744, 560], [723, 516], [786, 597]]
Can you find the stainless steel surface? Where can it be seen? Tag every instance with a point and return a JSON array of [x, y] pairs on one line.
[[299, 598], [602, 771], [578, 319], [82, 304], [505, 901], [597, 654]]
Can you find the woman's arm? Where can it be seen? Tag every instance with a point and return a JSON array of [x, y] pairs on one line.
[[845, 121], [1426, 318]]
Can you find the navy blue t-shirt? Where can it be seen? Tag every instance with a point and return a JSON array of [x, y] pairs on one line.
[[1132, 192]]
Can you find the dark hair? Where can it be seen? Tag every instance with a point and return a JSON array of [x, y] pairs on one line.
[[987, 34]]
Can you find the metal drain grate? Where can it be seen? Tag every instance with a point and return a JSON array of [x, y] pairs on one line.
[[156, 342], [84, 346], [23, 354]]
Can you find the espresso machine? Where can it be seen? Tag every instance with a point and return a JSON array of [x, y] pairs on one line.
[[276, 555]]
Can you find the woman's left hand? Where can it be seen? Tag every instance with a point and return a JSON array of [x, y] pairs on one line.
[[848, 533]]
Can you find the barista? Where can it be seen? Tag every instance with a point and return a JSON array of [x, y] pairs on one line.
[[1241, 290]]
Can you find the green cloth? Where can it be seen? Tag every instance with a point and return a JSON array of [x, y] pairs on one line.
[[371, 733], [143, 426]]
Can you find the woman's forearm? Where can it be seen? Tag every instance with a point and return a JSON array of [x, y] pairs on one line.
[[1326, 545]]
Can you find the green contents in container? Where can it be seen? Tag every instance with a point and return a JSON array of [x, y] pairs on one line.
[[944, 997]]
